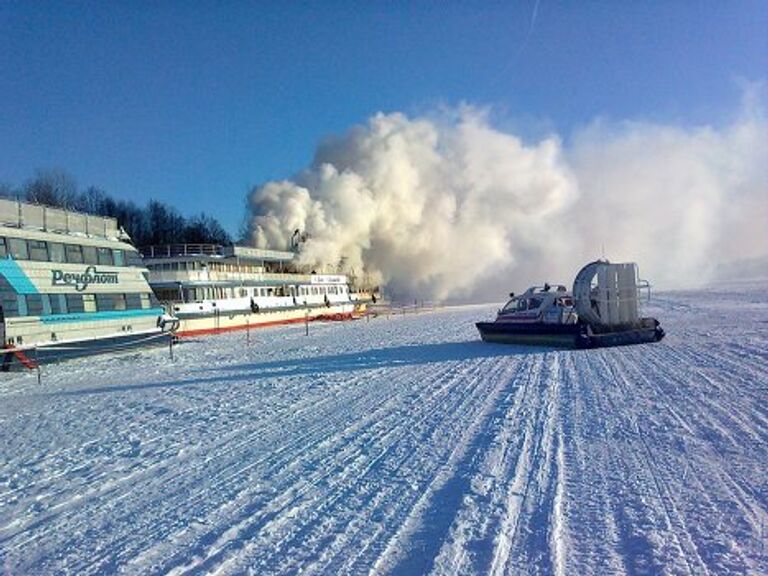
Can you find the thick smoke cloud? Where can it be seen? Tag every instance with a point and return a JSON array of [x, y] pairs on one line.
[[452, 208]]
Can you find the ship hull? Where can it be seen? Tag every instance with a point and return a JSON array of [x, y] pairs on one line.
[[29, 357], [229, 321]]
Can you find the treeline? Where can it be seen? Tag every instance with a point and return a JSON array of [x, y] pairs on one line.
[[156, 223]]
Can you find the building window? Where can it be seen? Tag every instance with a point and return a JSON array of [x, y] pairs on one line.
[[104, 256], [38, 250], [56, 252], [74, 253], [17, 248]]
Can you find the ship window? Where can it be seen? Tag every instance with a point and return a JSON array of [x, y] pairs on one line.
[[46, 304], [34, 304], [74, 253], [9, 302], [56, 252], [89, 255], [145, 301], [105, 302], [18, 249], [37, 250], [89, 303], [522, 305], [104, 256], [132, 301], [117, 256], [132, 258], [3, 248], [534, 303], [62, 303], [120, 302], [54, 301], [21, 304], [75, 303]]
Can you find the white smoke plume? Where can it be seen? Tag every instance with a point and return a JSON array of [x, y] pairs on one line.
[[453, 208]]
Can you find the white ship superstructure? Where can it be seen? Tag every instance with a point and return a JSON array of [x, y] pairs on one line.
[[212, 288], [70, 284]]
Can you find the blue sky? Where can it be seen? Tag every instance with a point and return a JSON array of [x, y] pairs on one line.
[[193, 103]]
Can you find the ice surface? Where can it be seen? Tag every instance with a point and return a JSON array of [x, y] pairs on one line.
[[402, 445]]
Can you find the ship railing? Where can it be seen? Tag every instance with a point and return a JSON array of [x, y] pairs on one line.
[[51, 219], [175, 250]]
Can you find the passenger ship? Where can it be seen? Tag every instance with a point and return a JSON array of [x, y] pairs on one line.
[[70, 284], [212, 288]]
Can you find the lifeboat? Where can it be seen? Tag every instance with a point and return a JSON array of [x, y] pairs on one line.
[[602, 309]]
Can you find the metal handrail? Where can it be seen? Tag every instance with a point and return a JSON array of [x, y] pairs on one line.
[[173, 250]]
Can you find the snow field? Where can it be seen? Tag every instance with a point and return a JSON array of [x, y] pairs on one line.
[[402, 445]]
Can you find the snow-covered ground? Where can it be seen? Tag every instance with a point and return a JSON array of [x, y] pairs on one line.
[[402, 445]]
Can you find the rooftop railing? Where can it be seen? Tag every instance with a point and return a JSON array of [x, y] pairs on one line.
[[241, 252], [173, 250], [26, 215]]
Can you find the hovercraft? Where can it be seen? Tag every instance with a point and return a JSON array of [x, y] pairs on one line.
[[601, 310]]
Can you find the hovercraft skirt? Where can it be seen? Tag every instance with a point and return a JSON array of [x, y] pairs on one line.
[[564, 336], [557, 335]]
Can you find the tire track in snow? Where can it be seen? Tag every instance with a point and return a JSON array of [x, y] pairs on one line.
[[429, 518], [352, 481]]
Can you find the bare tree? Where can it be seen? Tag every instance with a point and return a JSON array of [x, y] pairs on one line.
[[53, 187]]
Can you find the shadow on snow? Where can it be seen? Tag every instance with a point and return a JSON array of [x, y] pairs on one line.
[[373, 359]]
